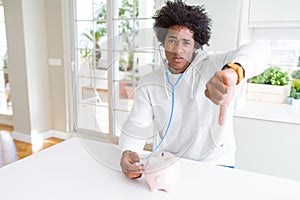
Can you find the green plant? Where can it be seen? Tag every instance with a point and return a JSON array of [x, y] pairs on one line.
[[5, 63], [296, 85], [295, 89], [128, 30], [271, 76], [296, 74], [94, 35], [294, 94], [134, 77]]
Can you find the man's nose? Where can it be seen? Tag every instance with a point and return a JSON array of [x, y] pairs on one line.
[[179, 48]]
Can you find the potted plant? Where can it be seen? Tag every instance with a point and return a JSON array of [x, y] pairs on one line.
[[269, 86], [128, 84], [294, 97], [296, 74], [134, 78], [295, 88]]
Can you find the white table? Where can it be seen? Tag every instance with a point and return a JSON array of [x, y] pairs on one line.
[[74, 170]]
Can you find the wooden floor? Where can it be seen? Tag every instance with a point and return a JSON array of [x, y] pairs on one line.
[[12, 150]]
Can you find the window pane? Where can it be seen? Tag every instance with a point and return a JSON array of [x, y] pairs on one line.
[[85, 31], [119, 119], [146, 9], [5, 100], [3, 43], [144, 38], [285, 53], [91, 9], [133, 34], [2, 82], [102, 119], [126, 30], [84, 9], [132, 66], [3, 57], [124, 62], [99, 10], [1, 14], [93, 88], [126, 9], [93, 104], [123, 95], [90, 33], [92, 117], [2, 35]]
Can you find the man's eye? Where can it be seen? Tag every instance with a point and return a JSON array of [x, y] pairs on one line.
[[172, 41], [186, 43]]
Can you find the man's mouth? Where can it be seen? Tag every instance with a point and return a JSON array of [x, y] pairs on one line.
[[178, 58]]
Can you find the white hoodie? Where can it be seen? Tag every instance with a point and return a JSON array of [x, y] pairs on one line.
[[194, 132]]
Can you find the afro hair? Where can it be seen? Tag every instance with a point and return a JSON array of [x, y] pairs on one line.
[[194, 18]]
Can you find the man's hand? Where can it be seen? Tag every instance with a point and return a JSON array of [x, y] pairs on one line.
[[129, 165], [220, 89]]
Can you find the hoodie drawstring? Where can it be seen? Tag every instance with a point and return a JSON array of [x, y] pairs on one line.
[[193, 83], [165, 84]]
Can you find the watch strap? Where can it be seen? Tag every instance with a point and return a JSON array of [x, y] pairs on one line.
[[238, 69]]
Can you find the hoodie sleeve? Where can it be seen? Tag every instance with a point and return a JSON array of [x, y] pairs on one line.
[[253, 57], [134, 131]]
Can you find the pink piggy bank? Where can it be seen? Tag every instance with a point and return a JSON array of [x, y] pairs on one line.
[[162, 171]]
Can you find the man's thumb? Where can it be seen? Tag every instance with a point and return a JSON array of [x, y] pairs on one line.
[[222, 114]]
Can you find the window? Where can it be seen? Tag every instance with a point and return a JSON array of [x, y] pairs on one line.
[[91, 67], [133, 53], [115, 46], [280, 29], [5, 102], [284, 43]]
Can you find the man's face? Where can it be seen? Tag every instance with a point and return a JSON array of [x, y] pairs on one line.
[[179, 48]]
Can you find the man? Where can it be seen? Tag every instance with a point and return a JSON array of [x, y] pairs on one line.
[[181, 99]]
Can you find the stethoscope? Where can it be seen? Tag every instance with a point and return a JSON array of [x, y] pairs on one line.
[[173, 85]]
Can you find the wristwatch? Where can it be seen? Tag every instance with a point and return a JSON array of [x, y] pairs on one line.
[[238, 69]]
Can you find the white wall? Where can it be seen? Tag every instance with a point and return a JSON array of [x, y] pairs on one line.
[[57, 73], [34, 34], [225, 22], [34, 23]]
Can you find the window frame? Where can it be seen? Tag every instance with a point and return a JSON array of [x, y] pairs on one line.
[[110, 21]]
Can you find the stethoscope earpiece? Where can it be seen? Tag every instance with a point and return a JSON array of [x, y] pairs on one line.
[[165, 61]]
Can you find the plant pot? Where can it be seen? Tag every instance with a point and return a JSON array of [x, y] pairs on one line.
[[130, 91], [289, 100], [122, 89], [266, 93]]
